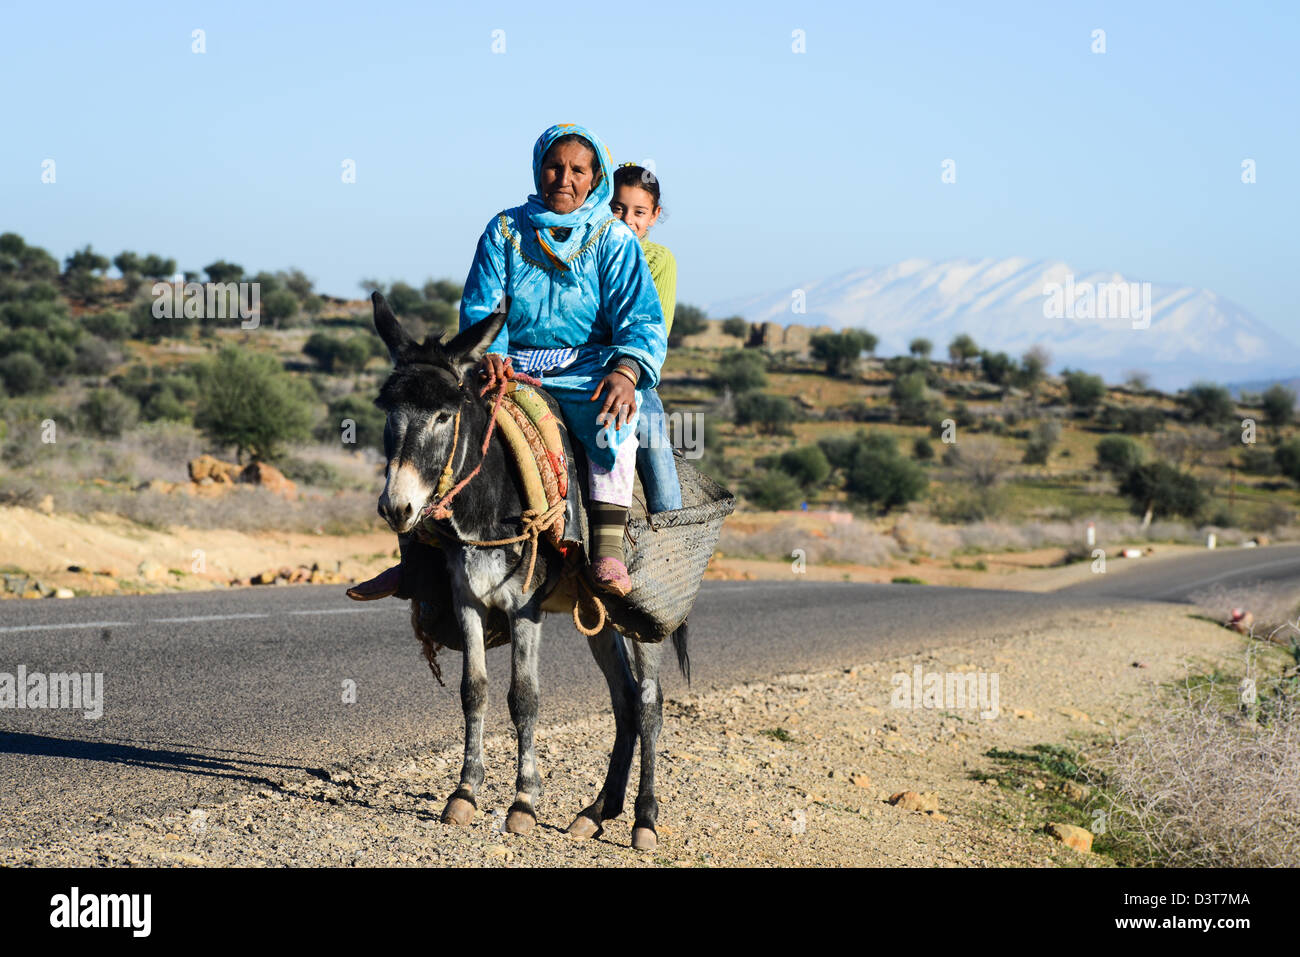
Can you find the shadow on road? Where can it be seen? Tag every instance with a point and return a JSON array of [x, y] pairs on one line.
[[162, 759]]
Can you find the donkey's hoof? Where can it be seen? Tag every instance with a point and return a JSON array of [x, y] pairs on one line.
[[520, 821], [644, 839], [458, 811], [585, 827]]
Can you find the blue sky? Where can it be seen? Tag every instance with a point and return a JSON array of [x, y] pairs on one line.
[[776, 167]]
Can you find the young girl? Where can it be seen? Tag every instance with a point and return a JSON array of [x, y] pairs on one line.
[[636, 202]]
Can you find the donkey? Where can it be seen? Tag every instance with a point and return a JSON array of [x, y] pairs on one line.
[[436, 420]]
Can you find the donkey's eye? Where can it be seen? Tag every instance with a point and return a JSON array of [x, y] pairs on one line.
[[442, 417]]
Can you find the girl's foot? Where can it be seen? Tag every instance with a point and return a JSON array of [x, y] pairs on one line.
[[610, 575]]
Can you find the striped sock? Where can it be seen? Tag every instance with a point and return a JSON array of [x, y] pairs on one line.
[[607, 525]]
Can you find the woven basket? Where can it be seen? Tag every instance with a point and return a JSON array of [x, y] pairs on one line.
[[667, 553]]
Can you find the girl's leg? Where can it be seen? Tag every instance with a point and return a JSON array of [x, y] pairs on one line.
[[611, 495], [654, 459]]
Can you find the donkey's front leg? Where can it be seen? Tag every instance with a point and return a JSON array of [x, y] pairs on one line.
[[524, 700], [473, 701], [649, 716]]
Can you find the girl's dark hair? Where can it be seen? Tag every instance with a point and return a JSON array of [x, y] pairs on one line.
[[631, 175]]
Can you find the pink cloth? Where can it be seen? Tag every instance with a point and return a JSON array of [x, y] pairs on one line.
[[614, 486]]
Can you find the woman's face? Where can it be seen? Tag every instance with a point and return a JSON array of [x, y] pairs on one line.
[[636, 207], [568, 172]]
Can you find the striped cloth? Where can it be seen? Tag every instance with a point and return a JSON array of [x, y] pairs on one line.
[[533, 361]]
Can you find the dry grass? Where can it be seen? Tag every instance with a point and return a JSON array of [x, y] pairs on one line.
[[1213, 780], [856, 544]]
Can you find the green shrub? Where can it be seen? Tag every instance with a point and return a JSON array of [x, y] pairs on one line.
[[913, 400], [736, 326], [770, 413], [305, 472], [839, 450], [1287, 457], [1163, 490], [840, 351], [687, 321], [1041, 442], [278, 307], [247, 400], [1085, 390], [341, 355], [807, 465], [741, 370], [923, 449], [1118, 455], [1257, 461], [368, 420], [881, 477], [1279, 406], [962, 349], [108, 412], [93, 357], [772, 490], [1208, 404], [111, 325], [997, 367], [22, 374]]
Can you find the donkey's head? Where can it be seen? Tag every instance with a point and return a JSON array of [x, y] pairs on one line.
[[429, 384]]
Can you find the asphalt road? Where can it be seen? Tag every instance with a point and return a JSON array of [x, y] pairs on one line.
[[211, 692]]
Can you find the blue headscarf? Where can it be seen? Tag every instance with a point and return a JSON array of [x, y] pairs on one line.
[[596, 207]]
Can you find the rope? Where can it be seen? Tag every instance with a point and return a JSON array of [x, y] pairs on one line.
[[602, 616], [532, 522]]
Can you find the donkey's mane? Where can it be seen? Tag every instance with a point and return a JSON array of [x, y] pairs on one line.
[[424, 377]]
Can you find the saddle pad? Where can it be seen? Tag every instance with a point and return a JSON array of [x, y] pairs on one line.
[[534, 406]]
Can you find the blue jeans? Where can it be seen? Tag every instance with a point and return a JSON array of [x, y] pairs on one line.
[[654, 456]]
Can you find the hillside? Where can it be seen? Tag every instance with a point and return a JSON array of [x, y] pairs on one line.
[[853, 458]]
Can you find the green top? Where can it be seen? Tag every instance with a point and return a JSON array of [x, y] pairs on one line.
[[663, 270]]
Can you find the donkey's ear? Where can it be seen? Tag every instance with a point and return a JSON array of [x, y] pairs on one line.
[[397, 339], [468, 348]]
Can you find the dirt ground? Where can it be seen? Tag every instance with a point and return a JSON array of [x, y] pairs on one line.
[[796, 771], [117, 556]]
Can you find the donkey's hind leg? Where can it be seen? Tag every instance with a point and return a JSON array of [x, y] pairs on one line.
[[608, 649], [649, 718], [523, 698], [473, 700]]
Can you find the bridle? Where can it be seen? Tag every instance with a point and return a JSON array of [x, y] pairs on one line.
[[438, 508]]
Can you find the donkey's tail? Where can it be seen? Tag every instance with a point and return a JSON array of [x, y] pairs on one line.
[[680, 637]]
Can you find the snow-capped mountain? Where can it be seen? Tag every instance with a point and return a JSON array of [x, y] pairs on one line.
[[1102, 322]]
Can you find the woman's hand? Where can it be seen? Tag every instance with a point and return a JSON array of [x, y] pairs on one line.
[[620, 398], [494, 368]]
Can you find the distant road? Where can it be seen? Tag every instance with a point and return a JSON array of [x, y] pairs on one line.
[[209, 692], [1178, 578]]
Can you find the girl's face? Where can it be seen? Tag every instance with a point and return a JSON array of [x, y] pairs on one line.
[[636, 207]]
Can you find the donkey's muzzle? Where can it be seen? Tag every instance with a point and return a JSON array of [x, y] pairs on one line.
[[399, 517]]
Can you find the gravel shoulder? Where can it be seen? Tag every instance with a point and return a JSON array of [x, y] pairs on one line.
[[795, 771]]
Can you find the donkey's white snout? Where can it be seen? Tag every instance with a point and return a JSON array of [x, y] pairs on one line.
[[404, 496]]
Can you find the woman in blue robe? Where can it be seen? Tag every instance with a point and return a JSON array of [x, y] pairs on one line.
[[583, 316]]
